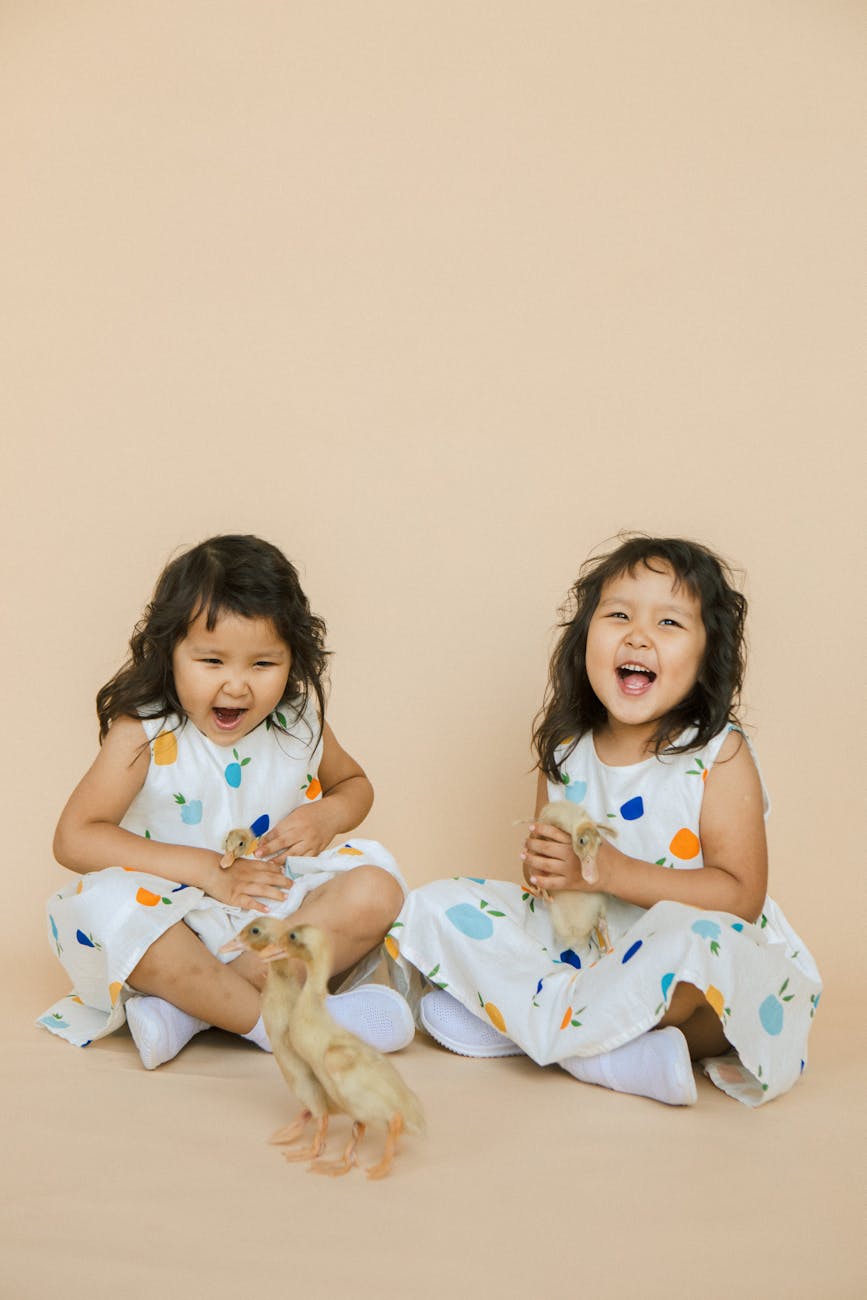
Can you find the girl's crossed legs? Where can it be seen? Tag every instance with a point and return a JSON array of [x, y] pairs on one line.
[[188, 989]]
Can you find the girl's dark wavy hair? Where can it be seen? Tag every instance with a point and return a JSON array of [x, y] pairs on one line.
[[570, 708], [231, 574]]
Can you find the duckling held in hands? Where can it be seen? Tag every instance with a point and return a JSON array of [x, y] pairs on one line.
[[357, 1079], [279, 999], [575, 914], [239, 843]]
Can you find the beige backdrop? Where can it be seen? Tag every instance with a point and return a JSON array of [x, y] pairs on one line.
[[437, 297]]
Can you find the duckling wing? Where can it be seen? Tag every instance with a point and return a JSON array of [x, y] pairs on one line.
[[369, 1087]]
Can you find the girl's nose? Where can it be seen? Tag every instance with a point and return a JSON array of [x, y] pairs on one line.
[[636, 636], [235, 685]]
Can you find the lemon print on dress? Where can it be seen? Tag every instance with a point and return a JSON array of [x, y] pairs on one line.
[[715, 999], [493, 1013], [165, 749]]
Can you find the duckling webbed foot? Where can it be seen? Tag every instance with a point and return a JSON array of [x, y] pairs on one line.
[[395, 1128], [291, 1132], [317, 1146], [334, 1168]]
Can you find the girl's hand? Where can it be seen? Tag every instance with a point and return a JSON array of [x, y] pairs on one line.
[[550, 862], [303, 834], [246, 883]]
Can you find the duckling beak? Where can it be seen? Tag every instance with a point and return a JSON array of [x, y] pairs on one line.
[[234, 945], [274, 952]]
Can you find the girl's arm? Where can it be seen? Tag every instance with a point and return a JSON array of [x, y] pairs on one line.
[[89, 836], [347, 796], [732, 833]]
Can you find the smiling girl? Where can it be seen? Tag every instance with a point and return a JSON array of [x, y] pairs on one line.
[[216, 722], [639, 727]]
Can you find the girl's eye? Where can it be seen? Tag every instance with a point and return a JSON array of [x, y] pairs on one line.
[[211, 661], [617, 613], [265, 663], [670, 622]]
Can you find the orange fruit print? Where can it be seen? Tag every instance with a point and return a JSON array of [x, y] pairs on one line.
[[685, 844]]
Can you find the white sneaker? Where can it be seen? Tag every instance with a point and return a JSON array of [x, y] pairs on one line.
[[452, 1025], [159, 1029], [376, 1013]]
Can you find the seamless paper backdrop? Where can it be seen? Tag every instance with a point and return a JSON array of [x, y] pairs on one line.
[[437, 298]]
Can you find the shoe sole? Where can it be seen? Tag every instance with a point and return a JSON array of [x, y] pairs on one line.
[[389, 1029], [506, 1048]]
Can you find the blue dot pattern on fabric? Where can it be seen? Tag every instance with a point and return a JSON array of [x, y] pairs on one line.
[[666, 982], [471, 921], [771, 1015], [632, 809], [261, 824], [707, 929], [738, 925], [630, 952], [569, 958], [575, 791]]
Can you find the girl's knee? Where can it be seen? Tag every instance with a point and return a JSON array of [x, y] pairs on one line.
[[375, 894]]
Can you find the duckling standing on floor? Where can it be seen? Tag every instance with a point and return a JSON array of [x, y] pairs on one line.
[[576, 915], [357, 1079], [279, 999], [239, 843]]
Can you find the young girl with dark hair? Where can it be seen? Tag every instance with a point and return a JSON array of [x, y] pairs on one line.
[[217, 722], [639, 727]]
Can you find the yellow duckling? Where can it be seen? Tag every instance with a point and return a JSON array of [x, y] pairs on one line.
[[575, 914], [279, 999], [357, 1079], [239, 843]]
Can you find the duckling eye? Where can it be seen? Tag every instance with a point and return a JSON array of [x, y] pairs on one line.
[[255, 930], [582, 840], [293, 936]]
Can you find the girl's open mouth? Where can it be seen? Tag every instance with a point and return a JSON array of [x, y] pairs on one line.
[[635, 679], [228, 719]]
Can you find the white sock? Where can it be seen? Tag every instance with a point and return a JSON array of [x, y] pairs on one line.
[[259, 1035], [159, 1030], [655, 1065]]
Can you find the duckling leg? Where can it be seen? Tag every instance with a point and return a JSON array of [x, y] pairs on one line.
[[316, 1147], [293, 1131], [600, 933], [342, 1166], [395, 1128]]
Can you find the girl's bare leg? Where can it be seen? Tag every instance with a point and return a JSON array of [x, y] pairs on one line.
[[179, 969], [356, 909], [696, 1019]]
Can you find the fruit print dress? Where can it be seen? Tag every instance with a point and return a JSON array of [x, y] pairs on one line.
[[101, 924], [491, 945]]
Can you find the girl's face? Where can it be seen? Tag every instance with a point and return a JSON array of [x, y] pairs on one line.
[[645, 647], [230, 679]]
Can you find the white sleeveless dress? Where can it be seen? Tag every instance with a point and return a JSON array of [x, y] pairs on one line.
[[491, 944], [102, 923]]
